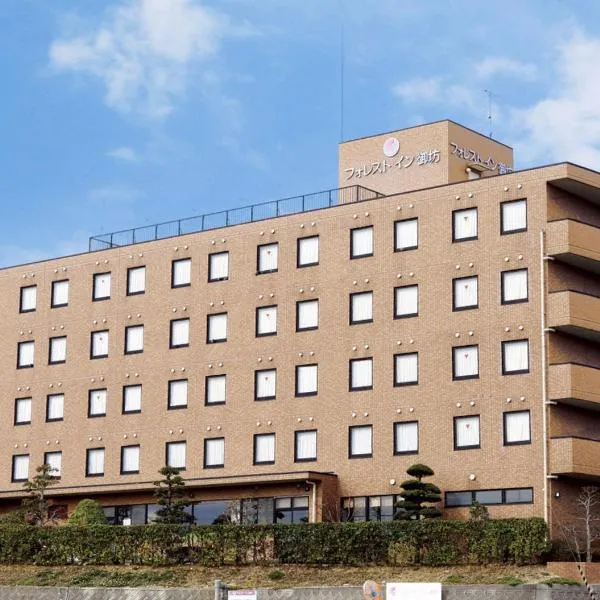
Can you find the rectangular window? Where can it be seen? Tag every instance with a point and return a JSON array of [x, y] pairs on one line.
[[215, 389], [136, 280], [179, 335], [361, 308], [499, 496], [134, 339], [513, 216], [465, 362], [307, 253], [132, 399], [181, 272], [361, 242], [406, 369], [25, 354], [178, 393], [57, 350], [466, 432], [214, 453], [361, 374], [97, 400], [264, 448], [406, 301], [130, 459], [265, 384], [514, 286], [306, 380], [515, 357], [101, 286], [488, 496], [94, 462], [459, 498], [464, 293], [305, 445], [216, 328], [406, 235], [60, 293], [99, 344], [28, 298], [464, 225], [307, 315], [267, 258], [518, 496], [406, 437], [218, 266], [175, 455], [266, 320], [517, 428], [55, 407], [20, 467], [54, 460], [22, 411], [360, 441]]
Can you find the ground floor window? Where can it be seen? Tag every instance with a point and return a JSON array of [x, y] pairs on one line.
[[489, 497], [371, 508]]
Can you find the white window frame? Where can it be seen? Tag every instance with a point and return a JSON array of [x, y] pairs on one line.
[[519, 363], [305, 445], [218, 266], [136, 280], [361, 307], [216, 328], [97, 402], [177, 394], [361, 374], [514, 286], [20, 467], [101, 286], [513, 216], [357, 447], [465, 367], [55, 407], [179, 333], [266, 320], [23, 410], [465, 293], [406, 437], [95, 462], [181, 272], [214, 453], [406, 301], [215, 391], [264, 449], [307, 315], [406, 234], [25, 354], [467, 432], [134, 339], [54, 460], [57, 351], [519, 419], [176, 455], [464, 224], [267, 258], [307, 380], [361, 242], [307, 251], [130, 459], [265, 384], [97, 344], [28, 298], [60, 293], [406, 369], [132, 399]]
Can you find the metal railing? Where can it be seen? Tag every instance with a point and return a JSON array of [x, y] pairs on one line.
[[234, 216]]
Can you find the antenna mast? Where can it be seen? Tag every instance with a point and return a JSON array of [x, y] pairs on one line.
[[341, 72], [489, 95]]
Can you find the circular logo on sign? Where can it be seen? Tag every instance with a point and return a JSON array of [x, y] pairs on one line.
[[391, 147]]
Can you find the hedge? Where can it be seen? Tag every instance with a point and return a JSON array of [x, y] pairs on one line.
[[439, 542]]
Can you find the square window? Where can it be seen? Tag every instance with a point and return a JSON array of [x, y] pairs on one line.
[[57, 350], [215, 389], [54, 461], [25, 354], [130, 459], [178, 393], [514, 286], [136, 280], [361, 242], [406, 235], [515, 357], [264, 448], [406, 437], [97, 400], [181, 272], [132, 399], [513, 216], [28, 298], [214, 453], [101, 286], [517, 428], [216, 328], [20, 467], [465, 294], [60, 293], [179, 335], [466, 432], [307, 251], [94, 462], [55, 407], [134, 339], [266, 320], [265, 384], [360, 441], [361, 374], [518, 496], [465, 362], [22, 411], [306, 380], [406, 369], [406, 301], [464, 225], [361, 308], [307, 315], [267, 258], [176, 455], [99, 344], [305, 445], [218, 266]]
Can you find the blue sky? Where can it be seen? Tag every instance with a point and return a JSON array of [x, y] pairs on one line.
[[121, 113]]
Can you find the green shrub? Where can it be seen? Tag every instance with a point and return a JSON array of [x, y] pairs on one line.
[[88, 512]]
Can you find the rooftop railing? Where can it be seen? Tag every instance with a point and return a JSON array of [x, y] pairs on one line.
[[234, 216]]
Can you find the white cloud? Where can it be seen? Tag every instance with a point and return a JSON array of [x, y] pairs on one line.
[[144, 50], [124, 153], [498, 65], [419, 89]]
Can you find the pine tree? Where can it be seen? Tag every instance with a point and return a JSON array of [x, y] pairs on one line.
[[36, 505], [170, 496], [415, 493]]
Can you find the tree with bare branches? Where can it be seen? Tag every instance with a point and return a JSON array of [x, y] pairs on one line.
[[583, 528]]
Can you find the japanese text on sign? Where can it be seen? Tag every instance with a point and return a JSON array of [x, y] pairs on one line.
[[475, 157], [427, 157]]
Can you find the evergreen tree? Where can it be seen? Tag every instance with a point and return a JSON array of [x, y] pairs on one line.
[[170, 496], [36, 505], [415, 493], [88, 512]]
